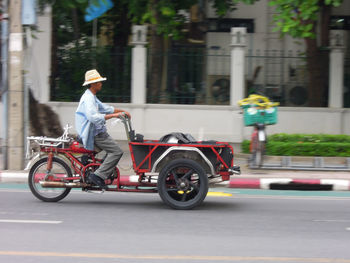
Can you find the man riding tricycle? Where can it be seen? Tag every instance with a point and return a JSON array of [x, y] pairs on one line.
[[179, 168]]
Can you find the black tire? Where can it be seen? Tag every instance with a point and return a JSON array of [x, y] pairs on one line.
[[38, 171], [182, 184]]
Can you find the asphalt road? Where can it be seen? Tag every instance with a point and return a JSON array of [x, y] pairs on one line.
[[249, 226]]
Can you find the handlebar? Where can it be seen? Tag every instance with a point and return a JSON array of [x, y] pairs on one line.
[[123, 116], [258, 100]]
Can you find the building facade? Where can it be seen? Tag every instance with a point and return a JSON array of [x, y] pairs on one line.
[[271, 65]]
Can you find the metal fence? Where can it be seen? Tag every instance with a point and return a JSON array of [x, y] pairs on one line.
[[72, 63], [202, 76], [187, 75], [279, 75], [183, 75], [176, 76]]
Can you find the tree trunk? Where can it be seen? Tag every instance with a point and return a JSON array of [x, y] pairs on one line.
[[317, 64], [163, 98], [156, 60], [54, 61], [318, 61], [122, 30], [76, 29], [156, 65]]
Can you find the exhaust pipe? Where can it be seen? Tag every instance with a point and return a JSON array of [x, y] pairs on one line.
[[46, 184]]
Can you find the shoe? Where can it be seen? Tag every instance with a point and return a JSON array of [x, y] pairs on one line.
[[96, 180]]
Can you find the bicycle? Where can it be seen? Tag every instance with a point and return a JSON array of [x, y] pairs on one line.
[[258, 111]]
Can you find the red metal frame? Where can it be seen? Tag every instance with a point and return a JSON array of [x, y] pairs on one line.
[[252, 141], [156, 144], [122, 185]]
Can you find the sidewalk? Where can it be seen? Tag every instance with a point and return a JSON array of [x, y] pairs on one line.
[[257, 179]]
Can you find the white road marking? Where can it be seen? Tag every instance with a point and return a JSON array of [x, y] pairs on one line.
[[314, 198], [331, 220], [6, 190], [348, 228], [29, 221]]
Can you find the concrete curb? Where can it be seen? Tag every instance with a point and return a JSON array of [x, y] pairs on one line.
[[290, 184], [13, 176], [249, 183]]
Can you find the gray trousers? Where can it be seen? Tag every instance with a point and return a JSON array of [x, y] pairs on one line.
[[114, 153]]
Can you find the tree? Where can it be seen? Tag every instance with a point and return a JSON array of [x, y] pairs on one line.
[[166, 21], [301, 19], [72, 51], [164, 18]]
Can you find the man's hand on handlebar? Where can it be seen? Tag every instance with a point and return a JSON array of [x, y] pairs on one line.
[[122, 114], [119, 114], [127, 114]]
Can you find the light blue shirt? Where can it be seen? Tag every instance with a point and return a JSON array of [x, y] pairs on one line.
[[90, 118]]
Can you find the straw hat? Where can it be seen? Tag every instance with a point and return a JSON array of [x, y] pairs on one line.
[[92, 76]]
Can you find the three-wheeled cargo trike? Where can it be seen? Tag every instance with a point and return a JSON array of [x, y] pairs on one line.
[[180, 171]]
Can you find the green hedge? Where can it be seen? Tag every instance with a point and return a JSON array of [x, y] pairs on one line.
[[305, 145], [314, 138]]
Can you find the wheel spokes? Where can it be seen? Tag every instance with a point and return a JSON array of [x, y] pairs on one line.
[[172, 189], [176, 178], [195, 187], [182, 183], [57, 173], [189, 173], [183, 198]]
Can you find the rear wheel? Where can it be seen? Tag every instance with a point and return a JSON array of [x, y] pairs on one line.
[[183, 184], [59, 171]]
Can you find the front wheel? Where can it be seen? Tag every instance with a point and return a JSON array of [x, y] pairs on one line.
[[183, 184], [58, 172]]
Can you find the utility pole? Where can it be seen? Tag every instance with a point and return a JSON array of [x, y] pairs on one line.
[[15, 129], [3, 86]]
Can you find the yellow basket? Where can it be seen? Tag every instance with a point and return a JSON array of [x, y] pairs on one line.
[[258, 109]]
